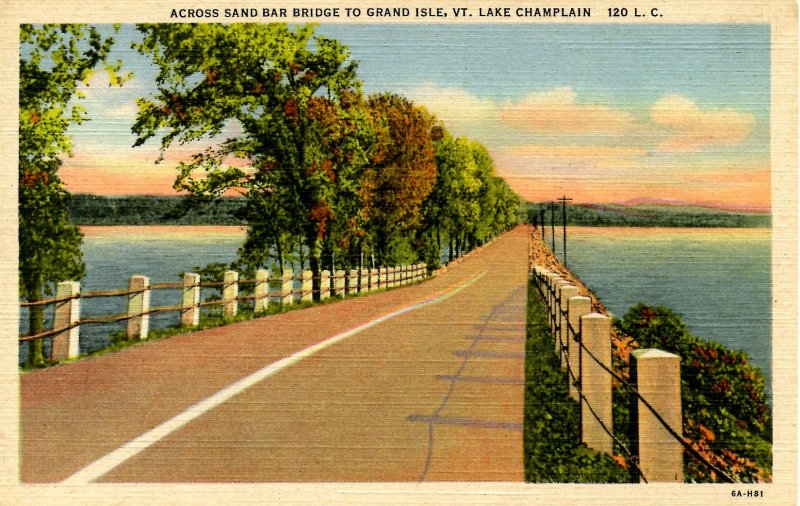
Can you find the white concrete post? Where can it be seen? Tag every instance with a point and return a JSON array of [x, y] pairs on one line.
[[190, 299], [65, 344], [230, 293], [338, 283], [373, 280], [352, 282], [287, 283], [138, 303], [566, 292], [307, 287], [657, 376], [596, 382], [363, 281], [577, 307], [324, 284], [261, 290]]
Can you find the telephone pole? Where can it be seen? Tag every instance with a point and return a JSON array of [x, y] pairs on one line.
[[563, 201], [553, 225], [542, 212]]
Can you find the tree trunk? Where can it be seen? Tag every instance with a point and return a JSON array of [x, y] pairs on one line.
[[314, 261], [450, 249], [279, 248], [35, 326]]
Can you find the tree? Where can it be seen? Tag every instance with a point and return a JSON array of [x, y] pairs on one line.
[[295, 100], [401, 174], [54, 60], [453, 208]]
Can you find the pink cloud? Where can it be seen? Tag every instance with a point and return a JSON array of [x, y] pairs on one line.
[[691, 129], [558, 111]]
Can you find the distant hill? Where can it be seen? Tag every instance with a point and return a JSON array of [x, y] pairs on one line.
[[650, 215], [86, 209], [685, 204]]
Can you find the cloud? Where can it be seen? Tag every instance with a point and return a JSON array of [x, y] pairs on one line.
[[579, 151], [558, 111], [456, 107], [691, 129], [575, 159], [124, 110]]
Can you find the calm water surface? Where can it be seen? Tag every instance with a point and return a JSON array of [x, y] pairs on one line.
[[718, 279], [113, 254]]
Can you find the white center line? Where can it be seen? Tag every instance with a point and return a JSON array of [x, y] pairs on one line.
[[135, 446]]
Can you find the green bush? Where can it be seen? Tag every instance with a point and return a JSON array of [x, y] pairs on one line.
[[725, 408]]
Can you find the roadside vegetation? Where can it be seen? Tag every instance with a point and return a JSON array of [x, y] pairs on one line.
[[322, 171], [552, 448], [726, 417]]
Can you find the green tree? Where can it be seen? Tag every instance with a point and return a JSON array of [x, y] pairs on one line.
[[54, 60], [453, 208], [294, 99]]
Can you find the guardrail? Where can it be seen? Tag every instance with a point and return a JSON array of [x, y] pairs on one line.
[[65, 332], [582, 340]]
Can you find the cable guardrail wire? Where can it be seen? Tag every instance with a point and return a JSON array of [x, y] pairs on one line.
[[94, 320], [623, 382], [93, 294], [576, 381]]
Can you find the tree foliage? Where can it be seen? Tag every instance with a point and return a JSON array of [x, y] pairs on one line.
[[293, 97], [325, 172], [54, 61], [400, 175], [469, 204]]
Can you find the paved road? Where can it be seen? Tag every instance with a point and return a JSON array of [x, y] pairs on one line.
[[420, 383]]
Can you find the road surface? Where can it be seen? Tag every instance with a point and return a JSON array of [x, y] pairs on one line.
[[418, 383]]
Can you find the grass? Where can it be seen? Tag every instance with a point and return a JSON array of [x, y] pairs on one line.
[[552, 449]]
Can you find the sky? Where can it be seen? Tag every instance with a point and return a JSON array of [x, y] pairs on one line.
[[600, 113]]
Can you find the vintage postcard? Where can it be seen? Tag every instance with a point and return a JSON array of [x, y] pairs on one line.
[[399, 252]]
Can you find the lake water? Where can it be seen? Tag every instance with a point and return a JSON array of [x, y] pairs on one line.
[[718, 279], [113, 254]]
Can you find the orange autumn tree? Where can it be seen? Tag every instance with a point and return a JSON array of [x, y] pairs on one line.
[[400, 176]]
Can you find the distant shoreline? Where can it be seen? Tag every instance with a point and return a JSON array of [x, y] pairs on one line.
[[144, 210]]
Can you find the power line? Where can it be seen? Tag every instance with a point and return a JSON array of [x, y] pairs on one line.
[[563, 201]]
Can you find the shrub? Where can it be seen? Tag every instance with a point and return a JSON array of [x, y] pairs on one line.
[[725, 411]]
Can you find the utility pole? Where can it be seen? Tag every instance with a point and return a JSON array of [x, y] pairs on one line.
[[563, 201], [553, 225], [542, 221]]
